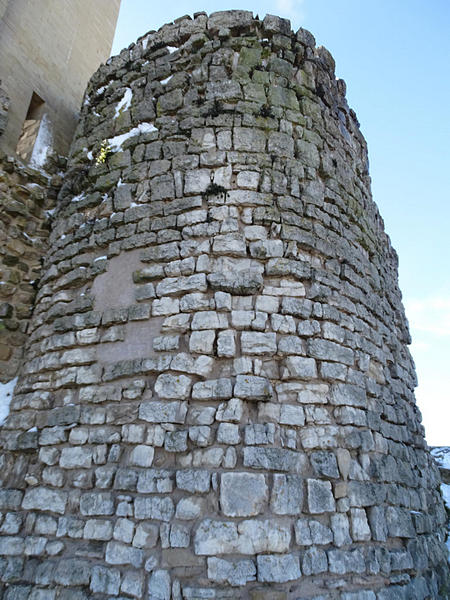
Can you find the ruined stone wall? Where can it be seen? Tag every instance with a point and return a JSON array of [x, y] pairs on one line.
[[217, 399], [27, 200]]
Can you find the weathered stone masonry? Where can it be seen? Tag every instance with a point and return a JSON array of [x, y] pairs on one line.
[[217, 399]]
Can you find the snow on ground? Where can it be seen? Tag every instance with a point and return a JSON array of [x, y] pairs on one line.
[[6, 394]]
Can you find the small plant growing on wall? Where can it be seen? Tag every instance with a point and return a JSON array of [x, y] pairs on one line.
[[104, 152]]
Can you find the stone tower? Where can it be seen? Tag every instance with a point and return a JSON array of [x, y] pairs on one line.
[[217, 398]]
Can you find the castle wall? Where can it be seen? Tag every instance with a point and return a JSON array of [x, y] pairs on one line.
[[217, 398], [27, 201], [51, 48]]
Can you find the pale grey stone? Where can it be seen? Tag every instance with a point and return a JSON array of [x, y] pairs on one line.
[[163, 412], [201, 415], [243, 494], [359, 526], [165, 306], [213, 389], [98, 529], [146, 535], [132, 584], [245, 282], [349, 394], [341, 530], [202, 342], [200, 435], [278, 569], [159, 585], [223, 301], [250, 387], [283, 323], [176, 285], [399, 522], [209, 319], [266, 248], [276, 459], [324, 464], [76, 457], [342, 562], [292, 415], [287, 494], [320, 496], [166, 343], [228, 433], [123, 530], [320, 533], [231, 244], [40, 498], [189, 508], [378, 523], [159, 481], [142, 456], [327, 350], [314, 561], [302, 533], [258, 434], [176, 441], [195, 301], [105, 581], [180, 536], [96, 503], [152, 507], [230, 411], [247, 537], [301, 368], [226, 343], [253, 342], [194, 481], [234, 573], [172, 386], [11, 546]]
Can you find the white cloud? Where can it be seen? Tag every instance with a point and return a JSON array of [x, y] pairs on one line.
[[430, 315]]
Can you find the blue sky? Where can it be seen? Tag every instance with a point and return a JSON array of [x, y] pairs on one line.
[[394, 56]]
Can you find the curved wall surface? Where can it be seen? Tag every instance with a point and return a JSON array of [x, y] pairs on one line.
[[217, 400]]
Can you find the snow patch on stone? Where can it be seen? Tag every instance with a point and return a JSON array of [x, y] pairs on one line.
[[116, 142], [125, 103], [42, 145], [6, 394]]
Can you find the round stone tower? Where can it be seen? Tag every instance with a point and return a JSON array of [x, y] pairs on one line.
[[217, 399]]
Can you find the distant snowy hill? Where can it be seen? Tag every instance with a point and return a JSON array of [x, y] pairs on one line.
[[442, 456]]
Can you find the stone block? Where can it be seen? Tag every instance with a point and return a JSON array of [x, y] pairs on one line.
[[213, 389], [250, 387], [105, 581], [253, 342], [273, 568], [243, 494], [172, 386], [287, 494], [153, 507], [320, 496], [235, 573], [44, 499]]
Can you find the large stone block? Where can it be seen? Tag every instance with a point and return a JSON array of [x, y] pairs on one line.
[[243, 494]]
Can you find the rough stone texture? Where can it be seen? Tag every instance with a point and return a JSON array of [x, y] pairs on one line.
[[27, 201], [217, 389]]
